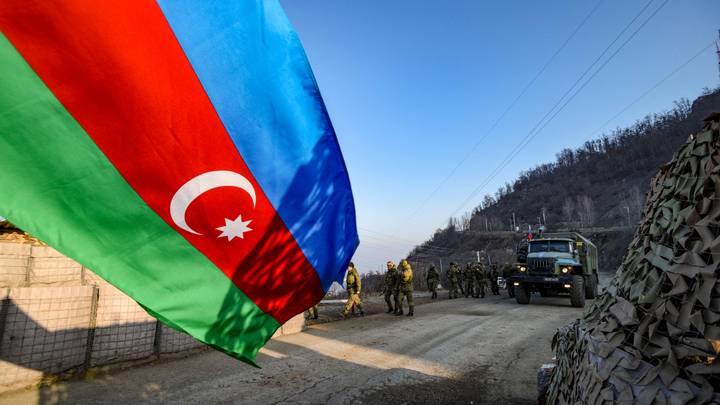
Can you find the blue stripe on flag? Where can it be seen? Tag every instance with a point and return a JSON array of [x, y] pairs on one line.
[[255, 72]]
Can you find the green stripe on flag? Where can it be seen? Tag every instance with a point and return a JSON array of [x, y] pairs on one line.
[[57, 185]]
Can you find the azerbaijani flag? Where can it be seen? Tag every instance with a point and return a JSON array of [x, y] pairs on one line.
[[181, 150]]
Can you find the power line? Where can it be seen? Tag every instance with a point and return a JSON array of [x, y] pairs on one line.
[[651, 89], [504, 113], [380, 234], [394, 238], [523, 142], [526, 140], [540, 126]]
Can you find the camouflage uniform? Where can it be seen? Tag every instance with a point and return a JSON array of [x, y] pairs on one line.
[[391, 281], [507, 272], [453, 275], [493, 280], [433, 278], [481, 277], [313, 312], [352, 284], [469, 278], [406, 288]]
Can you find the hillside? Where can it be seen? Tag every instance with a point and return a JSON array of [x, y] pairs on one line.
[[598, 188]]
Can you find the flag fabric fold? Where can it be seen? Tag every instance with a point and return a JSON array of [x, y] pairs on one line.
[[182, 151]]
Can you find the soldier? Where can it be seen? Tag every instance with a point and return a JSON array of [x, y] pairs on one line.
[[507, 272], [406, 288], [481, 279], [352, 284], [390, 291], [433, 278], [469, 277], [313, 312], [493, 280], [453, 275], [461, 280]]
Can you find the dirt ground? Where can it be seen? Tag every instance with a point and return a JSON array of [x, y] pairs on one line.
[[330, 310], [463, 351]]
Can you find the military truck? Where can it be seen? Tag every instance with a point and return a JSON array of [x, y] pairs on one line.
[[557, 263]]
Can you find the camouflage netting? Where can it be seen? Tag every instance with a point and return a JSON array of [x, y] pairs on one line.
[[654, 335]]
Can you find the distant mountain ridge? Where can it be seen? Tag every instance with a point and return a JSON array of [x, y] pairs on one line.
[[601, 184]]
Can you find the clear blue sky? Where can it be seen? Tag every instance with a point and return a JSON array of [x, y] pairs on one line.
[[411, 85]]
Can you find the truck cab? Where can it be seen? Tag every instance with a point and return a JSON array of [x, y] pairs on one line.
[[559, 263]]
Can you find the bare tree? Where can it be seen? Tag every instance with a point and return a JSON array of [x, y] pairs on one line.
[[488, 201], [568, 209], [495, 224], [464, 224], [586, 210]]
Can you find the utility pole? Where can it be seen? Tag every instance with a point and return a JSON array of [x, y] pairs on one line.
[[717, 50], [544, 222], [477, 252], [441, 269]]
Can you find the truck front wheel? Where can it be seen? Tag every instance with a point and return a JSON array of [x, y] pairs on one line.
[[522, 294], [577, 293]]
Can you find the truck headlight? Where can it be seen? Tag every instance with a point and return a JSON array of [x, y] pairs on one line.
[[565, 269], [522, 268]]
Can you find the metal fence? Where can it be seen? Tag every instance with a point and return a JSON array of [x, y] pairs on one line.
[[49, 330], [56, 316]]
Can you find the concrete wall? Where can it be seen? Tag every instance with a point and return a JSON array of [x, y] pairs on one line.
[[45, 330], [14, 264], [123, 330], [48, 266], [56, 317]]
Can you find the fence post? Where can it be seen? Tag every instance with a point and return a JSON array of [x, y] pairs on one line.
[[158, 337], [91, 327], [28, 269], [4, 309]]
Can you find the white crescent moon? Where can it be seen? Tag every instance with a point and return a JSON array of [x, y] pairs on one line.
[[200, 185]]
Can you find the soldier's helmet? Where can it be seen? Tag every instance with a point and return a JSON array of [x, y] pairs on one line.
[[404, 264]]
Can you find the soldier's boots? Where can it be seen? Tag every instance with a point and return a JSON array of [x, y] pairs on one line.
[[399, 312], [411, 311], [434, 295], [390, 310]]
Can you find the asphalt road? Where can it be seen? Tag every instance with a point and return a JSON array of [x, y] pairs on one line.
[[470, 351]]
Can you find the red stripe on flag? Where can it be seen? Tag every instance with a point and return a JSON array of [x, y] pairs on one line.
[[118, 69]]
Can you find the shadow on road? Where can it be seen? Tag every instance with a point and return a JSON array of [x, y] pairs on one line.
[[327, 364]]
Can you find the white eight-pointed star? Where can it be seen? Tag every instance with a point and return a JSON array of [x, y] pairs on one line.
[[234, 229]]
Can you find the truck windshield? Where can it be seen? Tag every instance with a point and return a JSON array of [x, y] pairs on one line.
[[560, 246]]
